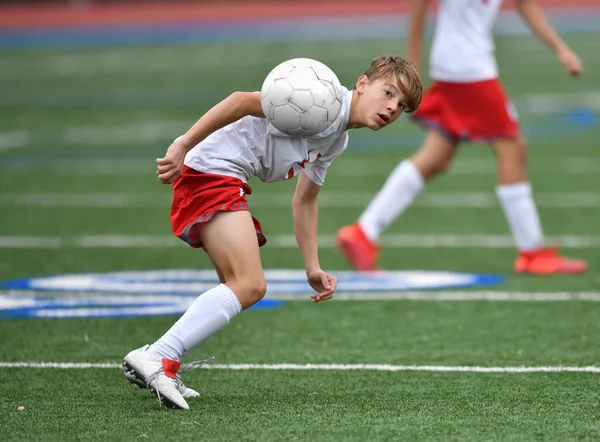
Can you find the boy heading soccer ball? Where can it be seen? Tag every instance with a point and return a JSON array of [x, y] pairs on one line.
[[209, 167]]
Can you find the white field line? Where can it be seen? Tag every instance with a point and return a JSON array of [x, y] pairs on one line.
[[375, 171], [453, 296], [582, 166], [140, 133], [118, 61], [552, 103], [344, 166], [326, 367], [12, 298], [284, 241], [472, 200], [572, 165], [14, 139]]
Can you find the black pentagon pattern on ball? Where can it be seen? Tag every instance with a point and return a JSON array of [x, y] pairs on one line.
[[284, 99]]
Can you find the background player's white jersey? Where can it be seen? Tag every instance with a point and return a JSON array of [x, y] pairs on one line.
[[463, 46], [253, 147]]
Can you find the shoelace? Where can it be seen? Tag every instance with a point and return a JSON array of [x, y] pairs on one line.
[[185, 368], [191, 366]]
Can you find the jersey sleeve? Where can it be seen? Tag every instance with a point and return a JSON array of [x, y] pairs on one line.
[[317, 169]]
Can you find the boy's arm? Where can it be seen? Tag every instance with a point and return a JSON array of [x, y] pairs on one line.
[[236, 106], [534, 15], [418, 11], [306, 216]]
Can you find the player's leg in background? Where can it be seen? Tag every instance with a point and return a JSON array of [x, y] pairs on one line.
[[514, 192], [516, 198], [231, 243], [358, 242], [405, 182]]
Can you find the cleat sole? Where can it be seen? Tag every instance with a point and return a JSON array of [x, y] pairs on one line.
[[133, 378]]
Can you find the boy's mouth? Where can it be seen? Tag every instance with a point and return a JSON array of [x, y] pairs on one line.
[[383, 119]]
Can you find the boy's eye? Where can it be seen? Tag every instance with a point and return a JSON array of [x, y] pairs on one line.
[[388, 93]]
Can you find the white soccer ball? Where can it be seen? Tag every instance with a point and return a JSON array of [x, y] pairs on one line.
[[301, 97]]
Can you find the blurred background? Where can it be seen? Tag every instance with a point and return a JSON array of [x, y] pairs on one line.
[[94, 91]]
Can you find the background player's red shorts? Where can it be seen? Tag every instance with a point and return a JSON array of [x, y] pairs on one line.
[[198, 196], [478, 111]]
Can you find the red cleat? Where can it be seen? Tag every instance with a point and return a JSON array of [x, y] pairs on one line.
[[548, 262], [357, 248]]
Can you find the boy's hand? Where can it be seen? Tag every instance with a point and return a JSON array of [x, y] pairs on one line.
[[171, 166], [570, 61], [323, 283]]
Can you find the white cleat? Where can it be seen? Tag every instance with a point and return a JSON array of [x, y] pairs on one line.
[[158, 374], [131, 376]]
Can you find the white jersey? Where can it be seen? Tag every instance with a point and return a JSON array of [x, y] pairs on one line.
[[463, 46], [253, 147]]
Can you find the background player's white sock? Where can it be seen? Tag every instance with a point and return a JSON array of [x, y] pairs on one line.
[[208, 313], [398, 192], [522, 216]]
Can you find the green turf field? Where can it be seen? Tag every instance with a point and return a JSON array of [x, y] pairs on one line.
[[79, 132]]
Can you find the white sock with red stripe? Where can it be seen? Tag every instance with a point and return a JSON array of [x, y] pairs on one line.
[[398, 192], [210, 312], [522, 216]]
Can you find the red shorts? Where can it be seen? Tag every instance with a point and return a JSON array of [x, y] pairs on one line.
[[478, 111], [198, 196]]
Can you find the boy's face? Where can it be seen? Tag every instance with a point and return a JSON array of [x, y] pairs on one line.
[[381, 102]]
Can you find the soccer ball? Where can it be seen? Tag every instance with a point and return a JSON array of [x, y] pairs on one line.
[[301, 97]]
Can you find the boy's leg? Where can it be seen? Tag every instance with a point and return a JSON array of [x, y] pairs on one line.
[[231, 242], [219, 272], [358, 242], [515, 195]]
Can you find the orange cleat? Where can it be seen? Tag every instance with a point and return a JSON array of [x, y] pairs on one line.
[[357, 248], [548, 262]]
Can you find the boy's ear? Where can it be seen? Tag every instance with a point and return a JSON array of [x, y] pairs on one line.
[[361, 83]]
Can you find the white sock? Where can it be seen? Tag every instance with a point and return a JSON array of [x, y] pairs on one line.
[[398, 192], [210, 312], [522, 216]]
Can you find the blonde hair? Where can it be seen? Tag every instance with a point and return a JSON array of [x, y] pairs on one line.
[[404, 72]]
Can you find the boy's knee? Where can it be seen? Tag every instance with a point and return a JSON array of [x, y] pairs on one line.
[[249, 289], [257, 289], [512, 158], [429, 164], [521, 147], [514, 152]]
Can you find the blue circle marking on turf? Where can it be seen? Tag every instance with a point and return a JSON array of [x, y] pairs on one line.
[[582, 116], [170, 292]]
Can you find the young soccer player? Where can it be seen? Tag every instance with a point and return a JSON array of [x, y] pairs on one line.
[[466, 103], [209, 168]]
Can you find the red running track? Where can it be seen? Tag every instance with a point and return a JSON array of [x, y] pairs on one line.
[[31, 16]]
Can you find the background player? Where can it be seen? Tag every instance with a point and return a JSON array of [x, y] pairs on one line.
[[230, 144], [466, 103]]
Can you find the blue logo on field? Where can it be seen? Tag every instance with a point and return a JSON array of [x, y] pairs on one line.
[[170, 292]]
